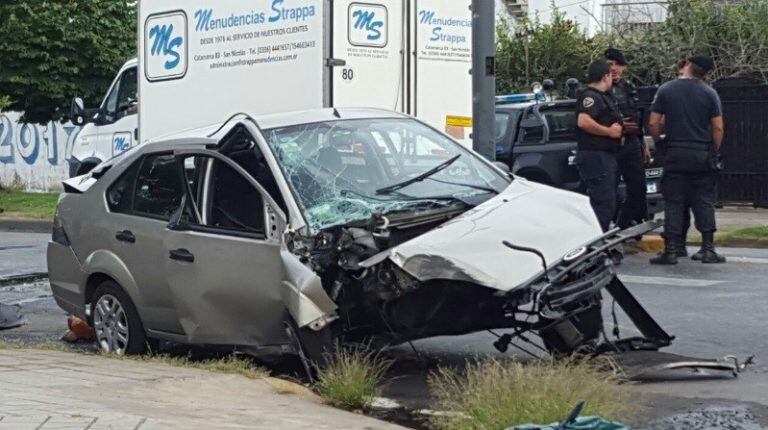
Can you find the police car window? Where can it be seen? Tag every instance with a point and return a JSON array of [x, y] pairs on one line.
[[561, 123], [532, 128], [502, 123]]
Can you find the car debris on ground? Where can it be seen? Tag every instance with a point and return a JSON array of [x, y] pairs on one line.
[[10, 317]]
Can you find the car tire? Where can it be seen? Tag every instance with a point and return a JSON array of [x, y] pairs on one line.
[[116, 323]]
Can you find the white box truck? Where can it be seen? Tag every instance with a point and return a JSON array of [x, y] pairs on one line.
[[200, 62]]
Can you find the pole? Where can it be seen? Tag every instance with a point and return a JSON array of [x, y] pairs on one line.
[[484, 77]]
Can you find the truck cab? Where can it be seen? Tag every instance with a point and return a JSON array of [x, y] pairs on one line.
[[110, 129], [537, 140]]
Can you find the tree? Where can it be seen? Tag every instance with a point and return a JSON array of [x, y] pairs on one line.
[[557, 51], [732, 33], [52, 50]]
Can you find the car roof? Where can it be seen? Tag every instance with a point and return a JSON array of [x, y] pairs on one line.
[[525, 105], [215, 131]]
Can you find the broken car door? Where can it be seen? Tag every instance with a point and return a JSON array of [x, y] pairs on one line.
[[222, 265]]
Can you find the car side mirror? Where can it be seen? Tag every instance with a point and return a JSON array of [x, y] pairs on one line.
[[77, 112]]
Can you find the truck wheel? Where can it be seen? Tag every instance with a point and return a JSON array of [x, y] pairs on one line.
[[116, 322], [85, 168]]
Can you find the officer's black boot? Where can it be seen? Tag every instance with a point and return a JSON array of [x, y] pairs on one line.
[[669, 256], [681, 251], [698, 255], [708, 254]]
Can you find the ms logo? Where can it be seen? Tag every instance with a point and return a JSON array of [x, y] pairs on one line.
[[368, 25], [165, 46], [121, 142]]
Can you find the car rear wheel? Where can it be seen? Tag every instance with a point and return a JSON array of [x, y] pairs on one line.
[[116, 322]]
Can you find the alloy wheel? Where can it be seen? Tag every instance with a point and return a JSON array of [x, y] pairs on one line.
[[111, 325]]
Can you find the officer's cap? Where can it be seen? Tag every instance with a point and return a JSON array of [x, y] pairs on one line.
[[705, 62], [615, 55]]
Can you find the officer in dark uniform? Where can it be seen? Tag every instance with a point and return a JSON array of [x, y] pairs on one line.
[[632, 155], [691, 114], [599, 137]]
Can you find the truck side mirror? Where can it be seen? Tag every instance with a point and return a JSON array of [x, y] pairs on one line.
[[77, 112]]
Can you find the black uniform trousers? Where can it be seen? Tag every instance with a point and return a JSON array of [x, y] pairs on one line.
[[598, 170], [631, 167], [688, 184]]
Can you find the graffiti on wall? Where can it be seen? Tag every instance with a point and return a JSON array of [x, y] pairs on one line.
[[34, 154]]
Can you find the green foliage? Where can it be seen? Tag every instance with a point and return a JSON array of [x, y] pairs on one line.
[[5, 101], [494, 395], [19, 204], [51, 51], [557, 51], [353, 378], [734, 35]]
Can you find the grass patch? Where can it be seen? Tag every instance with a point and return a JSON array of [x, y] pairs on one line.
[[492, 395], [754, 236], [19, 204], [352, 378], [751, 237], [230, 365]]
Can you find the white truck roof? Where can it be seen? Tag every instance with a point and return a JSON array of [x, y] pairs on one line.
[[284, 119]]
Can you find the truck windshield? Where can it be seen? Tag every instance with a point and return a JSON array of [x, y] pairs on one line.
[[335, 169]]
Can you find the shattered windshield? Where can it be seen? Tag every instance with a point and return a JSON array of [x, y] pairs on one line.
[[348, 170]]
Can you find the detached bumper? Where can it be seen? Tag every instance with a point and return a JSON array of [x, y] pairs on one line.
[[583, 273]]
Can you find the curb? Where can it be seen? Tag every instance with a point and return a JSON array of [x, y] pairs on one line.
[[26, 225], [22, 279], [731, 242]]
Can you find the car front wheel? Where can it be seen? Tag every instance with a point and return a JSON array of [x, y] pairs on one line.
[[116, 322]]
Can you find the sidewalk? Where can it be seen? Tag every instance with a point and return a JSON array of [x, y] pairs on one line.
[[60, 390], [738, 217]]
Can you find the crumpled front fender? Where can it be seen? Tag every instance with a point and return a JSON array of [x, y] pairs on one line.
[[303, 294]]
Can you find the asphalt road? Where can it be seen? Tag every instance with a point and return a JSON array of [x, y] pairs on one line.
[[713, 310]]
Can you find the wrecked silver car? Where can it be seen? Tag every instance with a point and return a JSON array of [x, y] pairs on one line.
[[288, 233]]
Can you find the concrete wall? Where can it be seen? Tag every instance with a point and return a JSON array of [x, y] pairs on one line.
[[35, 155]]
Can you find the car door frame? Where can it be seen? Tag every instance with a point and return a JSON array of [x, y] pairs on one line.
[[207, 311]]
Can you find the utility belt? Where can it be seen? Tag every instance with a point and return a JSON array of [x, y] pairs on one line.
[[687, 144], [712, 161]]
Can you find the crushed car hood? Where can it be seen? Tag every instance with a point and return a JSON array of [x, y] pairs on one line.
[[469, 247]]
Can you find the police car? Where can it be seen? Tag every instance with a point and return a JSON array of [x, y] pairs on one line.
[[537, 139]]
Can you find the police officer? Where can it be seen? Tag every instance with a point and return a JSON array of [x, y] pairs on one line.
[[691, 114], [632, 155], [599, 137]]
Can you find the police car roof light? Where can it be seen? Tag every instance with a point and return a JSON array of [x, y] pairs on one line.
[[520, 98]]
